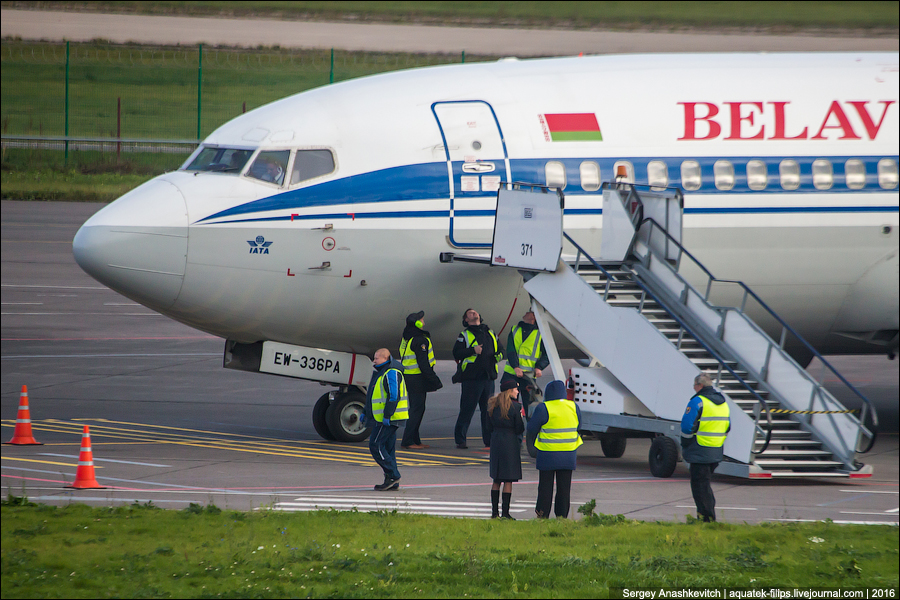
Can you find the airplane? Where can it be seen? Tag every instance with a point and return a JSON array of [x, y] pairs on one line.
[[308, 229]]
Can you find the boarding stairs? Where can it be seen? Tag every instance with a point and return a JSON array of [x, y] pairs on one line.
[[634, 310]]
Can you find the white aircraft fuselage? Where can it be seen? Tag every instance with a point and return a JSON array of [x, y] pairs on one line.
[[788, 164]]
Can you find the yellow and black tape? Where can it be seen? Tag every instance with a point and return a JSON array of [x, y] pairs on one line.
[[812, 412]]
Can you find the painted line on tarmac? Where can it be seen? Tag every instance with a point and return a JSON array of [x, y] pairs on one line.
[[717, 507], [160, 434], [853, 512], [840, 522], [46, 462], [124, 462], [156, 355], [55, 287], [870, 491]]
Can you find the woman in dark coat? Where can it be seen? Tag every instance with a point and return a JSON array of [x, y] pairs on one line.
[[505, 426]]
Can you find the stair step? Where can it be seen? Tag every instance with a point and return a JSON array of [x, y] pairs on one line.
[[810, 474], [783, 424], [789, 435], [798, 454], [793, 443], [775, 463]]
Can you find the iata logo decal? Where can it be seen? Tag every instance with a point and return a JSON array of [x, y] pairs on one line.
[[259, 245]]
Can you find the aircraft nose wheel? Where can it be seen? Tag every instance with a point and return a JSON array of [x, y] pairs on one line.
[[345, 417]]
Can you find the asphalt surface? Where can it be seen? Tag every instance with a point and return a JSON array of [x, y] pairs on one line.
[[170, 426], [381, 37]]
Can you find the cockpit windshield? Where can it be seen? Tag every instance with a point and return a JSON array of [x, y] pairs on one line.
[[220, 160]]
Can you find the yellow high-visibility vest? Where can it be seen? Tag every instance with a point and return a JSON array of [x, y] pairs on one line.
[[560, 432], [379, 399], [528, 350], [714, 423], [408, 357], [470, 341]]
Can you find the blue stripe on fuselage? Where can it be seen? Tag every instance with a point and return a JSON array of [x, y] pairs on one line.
[[429, 181]]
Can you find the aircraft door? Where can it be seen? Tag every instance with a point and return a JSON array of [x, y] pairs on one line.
[[476, 164]]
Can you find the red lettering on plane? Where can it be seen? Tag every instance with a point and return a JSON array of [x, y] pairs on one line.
[[737, 120], [748, 121], [690, 120]]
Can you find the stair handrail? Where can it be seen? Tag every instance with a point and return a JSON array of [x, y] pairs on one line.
[[722, 363], [867, 408]]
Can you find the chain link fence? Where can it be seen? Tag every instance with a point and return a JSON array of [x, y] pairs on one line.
[[124, 97]]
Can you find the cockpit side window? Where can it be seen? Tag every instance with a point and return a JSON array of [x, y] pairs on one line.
[[270, 166], [220, 160], [311, 163]]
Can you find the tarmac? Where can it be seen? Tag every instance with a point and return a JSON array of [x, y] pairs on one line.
[[170, 426]]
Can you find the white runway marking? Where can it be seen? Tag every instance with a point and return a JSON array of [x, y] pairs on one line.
[[384, 501]]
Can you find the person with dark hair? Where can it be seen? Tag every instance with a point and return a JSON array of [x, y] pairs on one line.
[[417, 358], [704, 427], [477, 351], [526, 358], [555, 422], [505, 428]]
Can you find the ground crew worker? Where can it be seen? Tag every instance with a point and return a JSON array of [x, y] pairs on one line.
[[555, 422], [704, 427], [387, 407], [525, 356], [417, 358], [478, 352]]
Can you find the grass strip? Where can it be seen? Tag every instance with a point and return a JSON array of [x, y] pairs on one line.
[[140, 551]]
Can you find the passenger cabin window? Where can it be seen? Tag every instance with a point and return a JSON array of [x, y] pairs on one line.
[[757, 175], [724, 174], [629, 171], [657, 174], [220, 160], [309, 164], [690, 175], [855, 174], [789, 170], [823, 174], [555, 172], [887, 173], [270, 166], [589, 172]]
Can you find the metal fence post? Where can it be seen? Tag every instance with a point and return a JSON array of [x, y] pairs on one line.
[[199, 89], [66, 159], [464, 56], [331, 71]]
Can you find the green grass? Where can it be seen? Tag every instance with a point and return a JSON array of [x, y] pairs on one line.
[[782, 15], [140, 551], [88, 176], [157, 85]]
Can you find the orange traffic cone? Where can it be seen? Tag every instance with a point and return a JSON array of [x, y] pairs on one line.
[[22, 435], [84, 476]]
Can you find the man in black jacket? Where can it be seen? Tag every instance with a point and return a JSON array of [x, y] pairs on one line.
[[417, 356], [526, 356], [477, 351]]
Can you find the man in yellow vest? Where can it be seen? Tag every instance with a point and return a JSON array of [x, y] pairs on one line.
[[704, 427], [555, 422], [417, 357], [477, 353], [525, 356], [387, 408]]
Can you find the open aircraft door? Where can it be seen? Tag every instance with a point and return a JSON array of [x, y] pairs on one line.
[[476, 164]]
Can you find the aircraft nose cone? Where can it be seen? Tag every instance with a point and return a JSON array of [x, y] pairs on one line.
[[137, 245]]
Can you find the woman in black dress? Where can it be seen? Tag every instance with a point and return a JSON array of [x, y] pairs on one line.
[[505, 426]]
